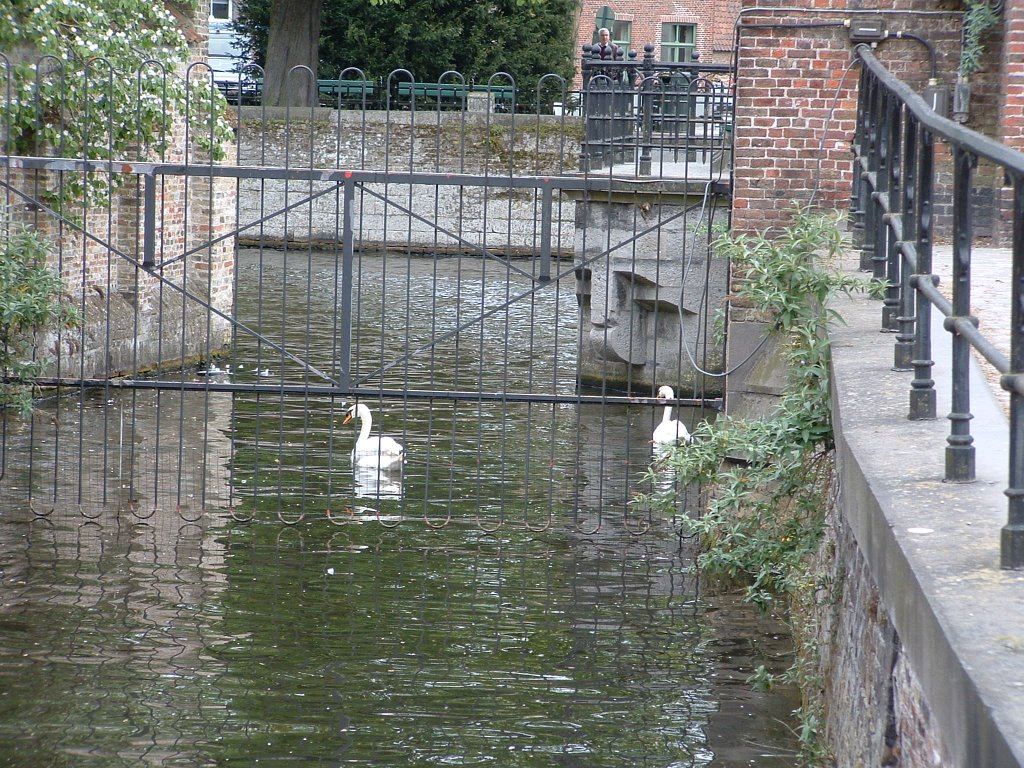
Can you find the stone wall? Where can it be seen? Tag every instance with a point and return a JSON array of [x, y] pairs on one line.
[[649, 302], [922, 628], [876, 713], [434, 216], [134, 319]]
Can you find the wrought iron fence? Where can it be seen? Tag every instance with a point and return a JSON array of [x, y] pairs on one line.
[[652, 118], [894, 191], [455, 271]]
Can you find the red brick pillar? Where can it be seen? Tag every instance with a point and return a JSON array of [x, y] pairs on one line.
[[1010, 128], [795, 116], [1011, 109]]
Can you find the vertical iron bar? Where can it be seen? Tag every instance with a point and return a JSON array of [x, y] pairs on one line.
[[1012, 535], [149, 221], [922, 388], [858, 197], [868, 262], [906, 173], [960, 450], [885, 262], [646, 97], [586, 164], [545, 234], [347, 261]]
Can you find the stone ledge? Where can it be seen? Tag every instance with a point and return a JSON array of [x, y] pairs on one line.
[[959, 617]]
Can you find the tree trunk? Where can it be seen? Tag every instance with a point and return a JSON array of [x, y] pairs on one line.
[[293, 51]]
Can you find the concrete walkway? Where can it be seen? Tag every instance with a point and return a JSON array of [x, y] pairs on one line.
[[693, 170], [991, 272]]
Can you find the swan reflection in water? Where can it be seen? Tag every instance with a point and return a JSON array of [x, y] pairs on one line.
[[377, 482]]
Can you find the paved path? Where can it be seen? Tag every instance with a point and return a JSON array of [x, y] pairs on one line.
[[692, 170], [991, 270]]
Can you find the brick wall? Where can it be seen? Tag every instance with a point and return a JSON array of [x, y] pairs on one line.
[[714, 20], [796, 98], [131, 316], [1011, 109]]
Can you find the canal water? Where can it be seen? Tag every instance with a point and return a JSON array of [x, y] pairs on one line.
[[499, 602]]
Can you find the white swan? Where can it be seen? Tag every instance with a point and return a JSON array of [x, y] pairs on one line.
[[376, 451], [669, 430]]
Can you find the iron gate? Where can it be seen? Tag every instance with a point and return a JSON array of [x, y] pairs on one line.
[[432, 264]]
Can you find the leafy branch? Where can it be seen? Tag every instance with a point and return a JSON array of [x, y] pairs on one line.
[[107, 79], [767, 482], [978, 20], [32, 304]]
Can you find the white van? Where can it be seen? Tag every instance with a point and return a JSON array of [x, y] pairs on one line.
[[227, 62]]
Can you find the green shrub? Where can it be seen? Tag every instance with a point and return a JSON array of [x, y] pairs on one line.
[[767, 482], [31, 305]]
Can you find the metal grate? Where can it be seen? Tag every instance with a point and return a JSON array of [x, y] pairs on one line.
[[505, 317]]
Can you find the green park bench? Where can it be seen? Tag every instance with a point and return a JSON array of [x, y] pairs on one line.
[[454, 94], [334, 92]]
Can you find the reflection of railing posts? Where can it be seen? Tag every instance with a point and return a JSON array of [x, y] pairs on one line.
[[646, 106]]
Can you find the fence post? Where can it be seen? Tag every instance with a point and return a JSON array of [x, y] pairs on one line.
[[586, 74], [922, 388], [646, 109], [347, 283], [148, 221], [1012, 535], [960, 444]]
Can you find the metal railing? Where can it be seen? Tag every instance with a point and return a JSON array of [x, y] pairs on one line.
[[662, 118], [452, 271], [894, 191]]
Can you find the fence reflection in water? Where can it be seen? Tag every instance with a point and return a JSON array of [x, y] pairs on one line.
[[165, 643]]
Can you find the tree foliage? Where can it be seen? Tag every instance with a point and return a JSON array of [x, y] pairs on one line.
[[99, 80], [431, 37]]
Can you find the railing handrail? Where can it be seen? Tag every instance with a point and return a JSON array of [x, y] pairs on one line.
[[893, 189], [954, 133], [624, 99]]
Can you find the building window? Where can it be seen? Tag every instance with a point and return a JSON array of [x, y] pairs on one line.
[[622, 33], [678, 42], [220, 10]]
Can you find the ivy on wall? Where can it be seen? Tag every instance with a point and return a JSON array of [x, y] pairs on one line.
[[979, 18]]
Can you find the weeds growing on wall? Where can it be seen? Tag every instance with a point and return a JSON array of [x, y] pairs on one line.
[[767, 481], [32, 306], [981, 16]]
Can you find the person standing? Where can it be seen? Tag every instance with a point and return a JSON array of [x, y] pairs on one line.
[[606, 49]]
